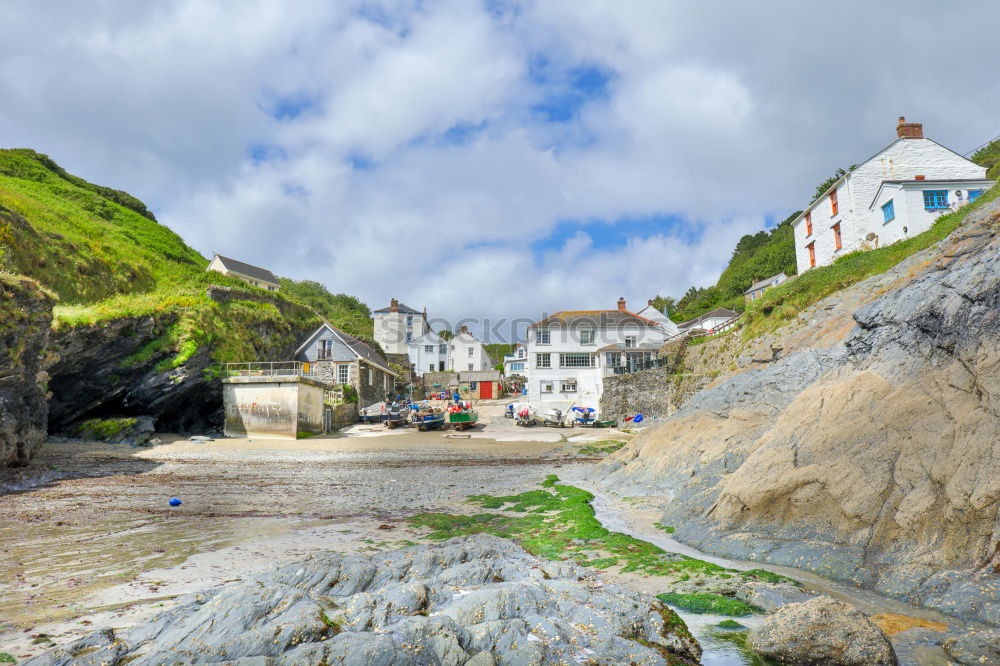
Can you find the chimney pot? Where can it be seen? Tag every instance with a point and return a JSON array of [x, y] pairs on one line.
[[919, 177], [905, 130], [463, 329], [621, 304], [394, 305]]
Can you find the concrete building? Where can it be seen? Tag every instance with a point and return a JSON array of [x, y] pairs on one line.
[[277, 407], [845, 217], [252, 275], [467, 353], [570, 352], [516, 363], [758, 287], [337, 358], [428, 353], [396, 326]]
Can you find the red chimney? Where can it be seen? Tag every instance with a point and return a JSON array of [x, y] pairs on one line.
[[621, 304], [394, 305], [919, 177], [905, 130], [463, 329]]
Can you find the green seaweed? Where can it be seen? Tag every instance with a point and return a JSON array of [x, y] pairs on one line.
[[703, 602]]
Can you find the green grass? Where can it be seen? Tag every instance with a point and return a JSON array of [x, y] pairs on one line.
[[557, 522], [666, 528], [601, 448], [784, 302], [7, 658], [703, 602]]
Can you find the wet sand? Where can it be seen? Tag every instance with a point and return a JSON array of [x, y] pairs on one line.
[[88, 539]]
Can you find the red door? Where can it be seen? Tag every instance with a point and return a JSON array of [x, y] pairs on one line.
[[485, 390]]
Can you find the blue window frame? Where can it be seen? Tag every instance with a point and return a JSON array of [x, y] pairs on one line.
[[888, 211], [974, 194], [934, 199]]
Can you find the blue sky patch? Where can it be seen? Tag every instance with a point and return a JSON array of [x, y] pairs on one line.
[[360, 162], [567, 91], [287, 107], [613, 235], [265, 152]]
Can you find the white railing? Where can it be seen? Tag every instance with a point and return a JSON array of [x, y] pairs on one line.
[[268, 369]]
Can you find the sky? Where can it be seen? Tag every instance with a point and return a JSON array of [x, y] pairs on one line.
[[486, 158]]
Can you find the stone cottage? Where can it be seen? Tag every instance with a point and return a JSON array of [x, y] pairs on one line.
[[338, 358]]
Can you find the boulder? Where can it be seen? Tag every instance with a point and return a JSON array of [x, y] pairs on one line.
[[769, 596], [822, 631], [979, 646], [477, 600]]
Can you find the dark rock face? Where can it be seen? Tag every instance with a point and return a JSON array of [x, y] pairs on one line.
[[477, 600], [822, 632], [25, 320], [872, 460]]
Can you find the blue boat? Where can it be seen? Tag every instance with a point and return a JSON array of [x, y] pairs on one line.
[[584, 416], [428, 419]]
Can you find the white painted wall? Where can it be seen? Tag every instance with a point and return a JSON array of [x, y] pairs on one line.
[[466, 350], [433, 360], [904, 159], [649, 312], [391, 329], [908, 203], [589, 380]]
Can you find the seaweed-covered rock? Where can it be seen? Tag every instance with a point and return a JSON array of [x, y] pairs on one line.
[[475, 600], [25, 320], [822, 632], [979, 646]]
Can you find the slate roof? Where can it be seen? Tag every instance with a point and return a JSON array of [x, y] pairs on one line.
[[643, 347], [361, 349], [717, 312], [597, 318], [479, 376], [769, 282], [248, 270], [405, 309]]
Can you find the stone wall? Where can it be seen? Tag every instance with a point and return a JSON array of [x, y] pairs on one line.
[[25, 321], [649, 392]]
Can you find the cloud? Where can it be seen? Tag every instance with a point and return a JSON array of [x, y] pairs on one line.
[[501, 159]]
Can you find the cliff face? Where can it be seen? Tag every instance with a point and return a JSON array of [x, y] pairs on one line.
[[875, 459], [25, 317]]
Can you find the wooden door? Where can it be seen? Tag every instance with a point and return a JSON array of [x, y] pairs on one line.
[[485, 390]]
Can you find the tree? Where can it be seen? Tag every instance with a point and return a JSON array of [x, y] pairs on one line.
[[445, 334], [665, 304], [989, 156]]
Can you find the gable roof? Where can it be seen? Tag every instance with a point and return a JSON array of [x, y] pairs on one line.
[[249, 270], [769, 282], [986, 182], [479, 376], [405, 309], [428, 338], [360, 348], [717, 312], [598, 318]]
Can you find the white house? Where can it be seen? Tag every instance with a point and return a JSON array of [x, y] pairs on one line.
[[569, 353], [907, 207], [758, 287], [649, 312], [252, 275], [397, 326], [516, 363], [710, 321], [467, 353], [429, 353], [845, 217]]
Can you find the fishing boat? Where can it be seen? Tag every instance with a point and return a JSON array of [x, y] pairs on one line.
[[372, 412], [428, 418], [462, 416], [584, 416], [394, 415]]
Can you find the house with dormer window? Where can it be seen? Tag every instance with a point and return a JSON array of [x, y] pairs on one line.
[[893, 195]]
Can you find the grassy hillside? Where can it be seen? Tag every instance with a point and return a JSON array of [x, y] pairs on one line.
[[989, 157], [105, 256]]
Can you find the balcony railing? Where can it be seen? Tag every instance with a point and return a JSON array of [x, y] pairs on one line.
[[635, 366], [268, 369]]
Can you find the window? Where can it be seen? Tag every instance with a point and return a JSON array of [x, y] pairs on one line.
[[587, 337], [325, 351], [442, 349], [520, 350], [812, 254], [888, 211], [569, 386], [576, 360], [371, 379], [409, 336], [837, 240], [809, 224], [546, 387], [516, 366], [429, 349], [974, 194], [543, 360], [630, 341], [612, 359], [470, 366], [409, 320], [935, 199], [472, 352], [385, 383], [342, 373], [543, 337], [833, 203], [440, 366]]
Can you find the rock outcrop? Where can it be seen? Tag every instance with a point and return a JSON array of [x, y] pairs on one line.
[[477, 600], [25, 318], [822, 632], [873, 459]]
